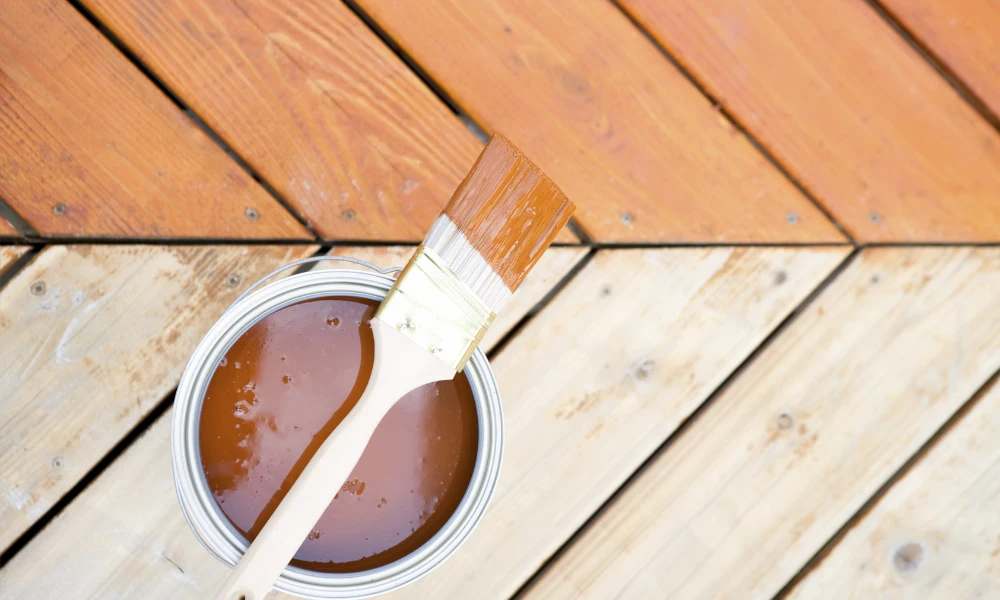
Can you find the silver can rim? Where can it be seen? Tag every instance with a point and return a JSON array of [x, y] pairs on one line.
[[201, 511]]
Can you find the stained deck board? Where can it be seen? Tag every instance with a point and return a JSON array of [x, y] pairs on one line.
[[855, 114], [802, 438], [964, 35], [553, 267], [91, 338], [10, 254], [313, 101], [705, 310], [936, 533], [90, 147], [641, 152], [7, 229]]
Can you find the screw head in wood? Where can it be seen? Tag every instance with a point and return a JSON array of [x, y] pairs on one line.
[[792, 218], [233, 281], [38, 288], [59, 209], [251, 214]]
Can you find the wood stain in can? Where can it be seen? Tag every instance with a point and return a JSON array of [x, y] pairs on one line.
[[282, 387]]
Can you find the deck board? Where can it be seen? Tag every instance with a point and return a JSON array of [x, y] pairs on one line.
[[645, 157], [705, 310], [963, 34], [801, 439], [855, 114], [91, 338], [7, 229], [936, 533], [313, 101], [10, 254], [90, 147]]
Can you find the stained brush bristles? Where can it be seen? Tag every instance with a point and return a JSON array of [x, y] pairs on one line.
[[499, 222]]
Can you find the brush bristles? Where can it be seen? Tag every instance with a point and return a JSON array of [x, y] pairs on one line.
[[500, 220], [454, 248]]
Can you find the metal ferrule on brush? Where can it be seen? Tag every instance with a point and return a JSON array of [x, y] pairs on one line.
[[433, 307]]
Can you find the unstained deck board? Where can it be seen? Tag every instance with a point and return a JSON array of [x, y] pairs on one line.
[[936, 533], [636, 340], [93, 337], [802, 438]]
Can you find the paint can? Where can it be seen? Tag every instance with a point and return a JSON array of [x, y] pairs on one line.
[[212, 528]]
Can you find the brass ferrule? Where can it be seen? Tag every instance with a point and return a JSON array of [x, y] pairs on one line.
[[437, 310]]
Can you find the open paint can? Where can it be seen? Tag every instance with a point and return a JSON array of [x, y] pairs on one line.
[[200, 501]]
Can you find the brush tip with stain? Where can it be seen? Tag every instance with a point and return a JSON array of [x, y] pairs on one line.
[[496, 226]]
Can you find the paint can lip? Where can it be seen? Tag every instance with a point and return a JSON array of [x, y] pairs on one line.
[[200, 509]]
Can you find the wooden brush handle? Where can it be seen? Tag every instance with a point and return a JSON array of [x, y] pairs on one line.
[[400, 366]]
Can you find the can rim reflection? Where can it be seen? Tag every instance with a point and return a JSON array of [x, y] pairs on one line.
[[203, 513]]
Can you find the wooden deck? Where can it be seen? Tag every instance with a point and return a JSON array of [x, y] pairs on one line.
[[761, 362]]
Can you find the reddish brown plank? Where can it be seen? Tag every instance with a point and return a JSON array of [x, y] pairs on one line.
[[843, 101], [964, 35], [313, 101], [394, 111], [90, 147], [638, 149], [7, 229]]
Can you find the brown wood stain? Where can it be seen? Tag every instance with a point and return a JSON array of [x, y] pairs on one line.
[[279, 392]]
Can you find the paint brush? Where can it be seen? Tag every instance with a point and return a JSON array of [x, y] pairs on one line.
[[492, 232]]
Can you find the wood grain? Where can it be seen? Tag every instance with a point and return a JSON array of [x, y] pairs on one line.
[[936, 534], [964, 36], [591, 386], [800, 440], [313, 101], [91, 338], [634, 145], [855, 114], [10, 254], [89, 146], [388, 105], [554, 266]]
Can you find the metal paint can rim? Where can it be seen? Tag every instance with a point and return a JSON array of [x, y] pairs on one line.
[[200, 509]]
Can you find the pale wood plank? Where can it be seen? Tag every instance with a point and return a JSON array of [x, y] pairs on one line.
[[936, 533], [803, 437], [641, 152], [365, 152], [843, 101], [595, 382], [9, 254], [90, 147], [554, 265], [91, 338], [964, 35]]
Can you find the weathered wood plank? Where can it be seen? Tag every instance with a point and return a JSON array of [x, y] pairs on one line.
[[595, 382], [936, 533], [554, 265], [803, 437], [9, 254], [313, 101], [90, 147], [91, 338], [856, 115], [964, 35], [640, 151]]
